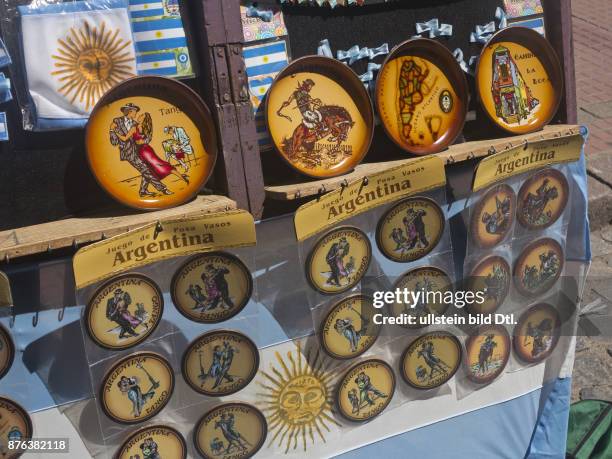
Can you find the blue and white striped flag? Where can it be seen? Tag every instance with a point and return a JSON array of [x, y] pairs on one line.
[[158, 35], [3, 128], [163, 64], [536, 24], [144, 9]]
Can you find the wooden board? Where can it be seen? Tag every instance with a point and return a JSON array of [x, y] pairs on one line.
[[41, 238], [455, 153]]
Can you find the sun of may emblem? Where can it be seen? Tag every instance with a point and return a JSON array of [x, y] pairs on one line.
[[91, 61], [298, 399]]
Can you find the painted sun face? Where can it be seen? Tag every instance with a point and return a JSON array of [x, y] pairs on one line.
[[302, 400]]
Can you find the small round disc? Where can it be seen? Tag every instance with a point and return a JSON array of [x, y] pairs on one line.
[[431, 360], [339, 260], [410, 230], [245, 429], [137, 387], [487, 352], [538, 267], [537, 333], [493, 216], [542, 199], [220, 363], [365, 390], [212, 287], [348, 329], [7, 351], [124, 311], [154, 442], [492, 277], [15, 424]]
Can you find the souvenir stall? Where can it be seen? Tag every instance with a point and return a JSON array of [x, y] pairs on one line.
[[288, 228]]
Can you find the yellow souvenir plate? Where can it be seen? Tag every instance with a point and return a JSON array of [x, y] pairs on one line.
[[538, 267], [425, 281], [155, 442], [537, 333], [431, 360], [230, 431], [338, 260], [220, 363], [7, 351], [124, 311], [493, 216], [15, 424], [365, 390], [137, 387], [519, 80], [410, 230], [491, 277], [487, 352], [211, 288], [421, 96], [320, 116], [542, 199], [348, 329], [151, 143]]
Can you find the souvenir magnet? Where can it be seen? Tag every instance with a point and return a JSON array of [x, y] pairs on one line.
[[538, 267], [542, 199], [493, 216], [491, 276], [487, 352], [537, 333], [410, 229], [15, 424], [155, 442], [7, 351], [220, 363]]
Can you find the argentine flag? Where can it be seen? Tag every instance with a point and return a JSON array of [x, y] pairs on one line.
[[158, 34], [144, 9], [163, 64], [3, 130]]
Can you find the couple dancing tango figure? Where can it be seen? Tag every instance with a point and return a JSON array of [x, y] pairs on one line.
[[132, 133]]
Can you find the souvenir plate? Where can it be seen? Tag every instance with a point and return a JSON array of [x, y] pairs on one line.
[[493, 216], [537, 333], [487, 352], [431, 284], [421, 96], [154, 442], [431, 360], [491, 276], [230, 431], [538, 267], [7, 351], [519, 80], [542, 199], [320, 116], [151, 143], [365, 390], [137, 387], [348, 329], [15, 424], [124, 311], [212, 287], [220, 363], [338, 260], [410, 229]]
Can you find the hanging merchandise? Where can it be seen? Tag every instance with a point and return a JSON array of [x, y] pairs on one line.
[[487, 350], [538, 267], [537, 333], [151, 440], [492, 276], [493, 216], [542, 199], [4, 134], [7, 351], [16, 424]]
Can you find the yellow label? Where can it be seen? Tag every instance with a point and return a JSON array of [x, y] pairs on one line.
[[520, 159], [151, 243], [412, 177], [6, 298]]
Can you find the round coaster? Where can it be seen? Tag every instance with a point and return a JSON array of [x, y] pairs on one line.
[[211, 288], [537, 333], [542, 199], [348, 329], [410, 229], [7, 351], [338, 260], [151, 143], [230, 431], [487, 352], [137, 387], [492, 277], [519, 80], [421, 96], [220, 363], [124, 311], [320, 116], [154, 442], [15, 425], [430, 284], [538, 267], [431, 360], [493, 216]]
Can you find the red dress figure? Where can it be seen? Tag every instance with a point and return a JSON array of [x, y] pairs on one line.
[[158, 166]]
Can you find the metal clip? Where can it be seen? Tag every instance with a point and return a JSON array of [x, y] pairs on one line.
[[450, 160], [75, 244], [60, 314], [13, 316], [491, 151], [158, 229], [322, 190], [35, 319], [366, 180], [298, 194], [344, 183], [525, 145]]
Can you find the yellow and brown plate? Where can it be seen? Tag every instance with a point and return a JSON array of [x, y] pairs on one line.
[[537, 333], [538, 267], [151, 142], [542, 199], [212, 287], [248, 429], [320, 116], [421, 96], [491, 276], [493, 216], [410, 229], [156, 441], [15, 424], [7, 351], [487, 352]]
